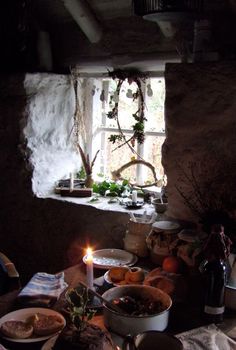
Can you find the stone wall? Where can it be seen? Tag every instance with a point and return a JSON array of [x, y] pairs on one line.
[[47, 235], [199, 154], [41, 234]]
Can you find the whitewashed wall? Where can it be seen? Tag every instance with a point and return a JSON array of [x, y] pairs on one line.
[[48, 131]]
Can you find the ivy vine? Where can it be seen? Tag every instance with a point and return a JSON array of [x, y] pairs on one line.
[[139, 117]]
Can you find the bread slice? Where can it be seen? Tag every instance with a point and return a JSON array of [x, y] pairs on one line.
[[16, 329], [47, 324]]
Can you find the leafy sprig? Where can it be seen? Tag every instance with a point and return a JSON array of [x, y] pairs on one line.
[[111, 186], [77, 299]]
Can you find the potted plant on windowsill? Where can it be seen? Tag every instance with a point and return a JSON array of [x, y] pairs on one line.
[[88, 166]]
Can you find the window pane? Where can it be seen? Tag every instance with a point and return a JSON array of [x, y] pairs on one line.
[[127, 106], [152, 151], [154, 111], [108, 159], [114, 159]]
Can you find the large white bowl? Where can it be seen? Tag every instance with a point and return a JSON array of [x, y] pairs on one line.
[[127, 324]]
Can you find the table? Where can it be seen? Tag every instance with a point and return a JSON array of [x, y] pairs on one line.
[[183, 316]]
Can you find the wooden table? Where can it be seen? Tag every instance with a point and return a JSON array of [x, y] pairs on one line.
[[183, 316]]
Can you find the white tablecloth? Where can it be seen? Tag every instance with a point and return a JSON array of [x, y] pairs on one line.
[[206, 338]]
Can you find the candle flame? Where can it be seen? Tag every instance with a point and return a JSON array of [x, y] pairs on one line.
[[89, 253]]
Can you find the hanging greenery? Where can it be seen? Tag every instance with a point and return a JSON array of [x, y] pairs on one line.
[[136, 77]]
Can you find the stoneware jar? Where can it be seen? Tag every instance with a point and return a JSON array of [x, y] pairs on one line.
[[159, 240], [135, 238]]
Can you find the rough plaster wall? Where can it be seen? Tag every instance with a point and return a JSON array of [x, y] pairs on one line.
[[41, 234], [49, 129], [200, 111]]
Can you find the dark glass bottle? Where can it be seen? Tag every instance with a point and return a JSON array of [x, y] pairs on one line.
[[215, 279], [214, 267]]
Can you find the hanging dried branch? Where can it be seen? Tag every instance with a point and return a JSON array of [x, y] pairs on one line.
[[138, 127], [78, 127]]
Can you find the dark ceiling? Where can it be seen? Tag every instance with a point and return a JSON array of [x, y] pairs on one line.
[[120, 38]]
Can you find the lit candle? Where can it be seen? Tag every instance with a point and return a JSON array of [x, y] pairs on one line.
[[89, 268], [71, 182], [134, 196]]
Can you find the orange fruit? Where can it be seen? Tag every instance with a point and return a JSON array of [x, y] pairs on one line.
[[172, 264]]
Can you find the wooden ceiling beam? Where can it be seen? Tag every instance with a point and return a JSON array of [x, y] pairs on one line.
[[84, 17]]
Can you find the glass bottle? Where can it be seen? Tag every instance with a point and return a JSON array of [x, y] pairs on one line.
[[216, 250], [215, 278]]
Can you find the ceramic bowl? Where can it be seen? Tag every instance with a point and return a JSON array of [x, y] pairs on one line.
[[123, 324], [164, 341], [159, 207]]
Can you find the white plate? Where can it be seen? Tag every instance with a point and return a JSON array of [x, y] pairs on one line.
[[108, 280], [22, 315], [107, 258], [49, 343], [2, 347]]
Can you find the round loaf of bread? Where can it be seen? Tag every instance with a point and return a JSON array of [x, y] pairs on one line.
[[134, 275], [47, 324], [117, 274], [16, 329]]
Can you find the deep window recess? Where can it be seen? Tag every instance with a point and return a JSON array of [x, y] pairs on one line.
[[110, 157]]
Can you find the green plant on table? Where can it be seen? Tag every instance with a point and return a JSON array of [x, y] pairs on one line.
[[77, 299]]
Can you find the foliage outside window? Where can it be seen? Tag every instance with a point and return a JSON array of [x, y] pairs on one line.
[[112, 157], [97, 99]]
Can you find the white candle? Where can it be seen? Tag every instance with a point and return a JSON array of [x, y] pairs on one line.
[[89, 268], [71, 182], [134, 196]]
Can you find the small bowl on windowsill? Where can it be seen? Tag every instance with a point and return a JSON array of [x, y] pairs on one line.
[[160, 206]]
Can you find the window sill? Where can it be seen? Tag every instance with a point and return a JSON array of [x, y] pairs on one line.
[[102, 204]]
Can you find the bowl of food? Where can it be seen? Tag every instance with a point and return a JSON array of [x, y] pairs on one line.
[[141, 308]]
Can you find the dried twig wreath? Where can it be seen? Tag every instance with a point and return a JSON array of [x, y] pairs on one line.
[[138, 127], [116, 174]]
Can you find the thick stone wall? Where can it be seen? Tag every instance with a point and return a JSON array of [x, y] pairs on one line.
[[47, 235], [199, 154], [41, 234]]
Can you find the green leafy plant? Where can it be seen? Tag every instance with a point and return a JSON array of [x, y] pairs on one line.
[[114, 188], [77, 299], [81, 174]]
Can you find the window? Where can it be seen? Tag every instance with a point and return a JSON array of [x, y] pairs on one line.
[[55, 126], [110, 156]]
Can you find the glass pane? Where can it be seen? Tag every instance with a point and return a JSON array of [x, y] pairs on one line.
[[110, 159], [127, 106], [115, 158], [154, 112], [152, 151]]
